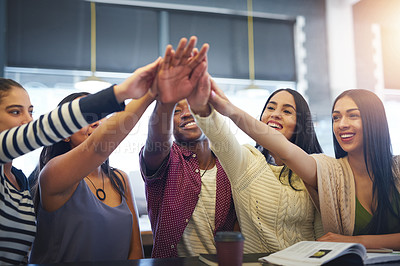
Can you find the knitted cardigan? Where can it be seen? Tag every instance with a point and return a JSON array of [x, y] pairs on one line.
[[272, 215], [336, 196]]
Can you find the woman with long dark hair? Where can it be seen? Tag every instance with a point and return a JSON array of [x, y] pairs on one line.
[[272, 203], [83, 201], [358, 191]]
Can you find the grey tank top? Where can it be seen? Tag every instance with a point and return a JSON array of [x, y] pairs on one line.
[[83, 229]]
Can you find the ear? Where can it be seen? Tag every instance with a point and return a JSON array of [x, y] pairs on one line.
[[67, 140]]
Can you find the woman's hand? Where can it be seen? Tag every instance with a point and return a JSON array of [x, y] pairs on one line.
[[138, 84], [332, 237], [219, 100]]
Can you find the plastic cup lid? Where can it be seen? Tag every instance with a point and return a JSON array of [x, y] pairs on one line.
[[228, 236]]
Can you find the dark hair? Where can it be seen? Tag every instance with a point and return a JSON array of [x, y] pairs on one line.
[[63, 147], [304, 135], [378, 156], [6, 85]]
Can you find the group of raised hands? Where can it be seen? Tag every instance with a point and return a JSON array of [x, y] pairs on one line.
[[180, 74]]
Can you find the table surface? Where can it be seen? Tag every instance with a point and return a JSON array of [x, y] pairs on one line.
[[188, 261]]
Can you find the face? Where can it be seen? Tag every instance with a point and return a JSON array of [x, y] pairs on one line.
[[15, 109], [280, 113], [185, 128], [347, 125], [80, 136]]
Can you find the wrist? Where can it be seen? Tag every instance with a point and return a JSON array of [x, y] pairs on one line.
[[202, 111], [120, 93]]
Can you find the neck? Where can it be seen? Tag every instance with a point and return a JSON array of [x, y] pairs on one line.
[[203, 152], [278, 160], [195, 146], [7, 168], [96, 173], [357, 164]]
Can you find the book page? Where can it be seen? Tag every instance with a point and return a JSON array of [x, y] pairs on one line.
[[314, 252], [382, 257]]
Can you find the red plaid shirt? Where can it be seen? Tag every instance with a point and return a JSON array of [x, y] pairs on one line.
[[172, 194]]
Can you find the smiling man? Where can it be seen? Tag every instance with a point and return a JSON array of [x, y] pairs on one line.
[[188, 193]]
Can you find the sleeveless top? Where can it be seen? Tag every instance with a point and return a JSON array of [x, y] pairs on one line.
[[363, 218], [83, 229]]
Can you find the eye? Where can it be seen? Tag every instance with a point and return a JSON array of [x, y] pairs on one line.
[[354, 115], [287, 112], [14, 112], [335, 118], [177, 111], [270, 108]]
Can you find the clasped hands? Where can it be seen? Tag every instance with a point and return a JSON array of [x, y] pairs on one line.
[[180, 74]]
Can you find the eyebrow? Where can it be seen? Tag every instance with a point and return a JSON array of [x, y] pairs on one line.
[[285, 105], [347, 111], [17, 106]]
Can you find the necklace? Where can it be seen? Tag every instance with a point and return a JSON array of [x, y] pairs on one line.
[[208, 165], [100, 193]]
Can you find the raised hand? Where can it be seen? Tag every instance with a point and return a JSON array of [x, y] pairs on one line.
[[180, 71], [219, 100], [138, 84]]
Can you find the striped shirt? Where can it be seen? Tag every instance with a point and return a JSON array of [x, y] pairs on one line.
[[198, 237], [17, 218]]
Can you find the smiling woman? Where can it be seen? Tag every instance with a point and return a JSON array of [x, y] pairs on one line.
[[258, 176], [363, 181]]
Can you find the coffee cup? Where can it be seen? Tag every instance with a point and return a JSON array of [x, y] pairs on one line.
[[229, 248]]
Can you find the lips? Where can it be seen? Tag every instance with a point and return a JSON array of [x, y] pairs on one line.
[[275, 125], [346, 136], [188, 124]]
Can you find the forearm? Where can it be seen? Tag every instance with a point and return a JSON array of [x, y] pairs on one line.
[[391, 241], [56, 125], [223, 142], [114, 130], [159, 137], [292, 155]]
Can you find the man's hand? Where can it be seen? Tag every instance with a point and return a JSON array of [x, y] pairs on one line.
[[180, 71]]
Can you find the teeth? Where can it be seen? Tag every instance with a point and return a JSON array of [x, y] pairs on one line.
[[346, 135], [274, 125], [190, 124]]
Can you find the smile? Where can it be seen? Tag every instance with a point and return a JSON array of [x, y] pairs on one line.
[[189, 125], [275, 125]]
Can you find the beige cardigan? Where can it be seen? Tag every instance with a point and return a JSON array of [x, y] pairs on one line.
[[336, 196], [272, 216]]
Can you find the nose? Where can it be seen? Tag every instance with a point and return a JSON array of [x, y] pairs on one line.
[[185, 112], [27, 117], [95, 124], [343, 123], [277, 113]]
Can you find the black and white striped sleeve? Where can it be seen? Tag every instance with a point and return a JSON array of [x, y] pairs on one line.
[[57, 125]]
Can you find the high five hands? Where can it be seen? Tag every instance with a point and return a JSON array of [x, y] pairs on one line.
[[180, 71]]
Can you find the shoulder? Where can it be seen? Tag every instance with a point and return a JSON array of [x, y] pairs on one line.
[[21, 178], [396, 170], [324, 160], [120, 174]]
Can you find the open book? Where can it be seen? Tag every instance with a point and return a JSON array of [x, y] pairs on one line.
[[318, 253]]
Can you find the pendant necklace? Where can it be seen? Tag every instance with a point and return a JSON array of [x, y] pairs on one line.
[[100, 193]]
